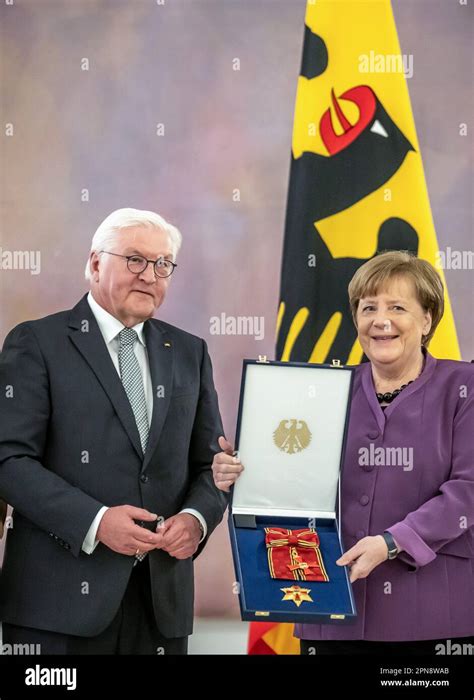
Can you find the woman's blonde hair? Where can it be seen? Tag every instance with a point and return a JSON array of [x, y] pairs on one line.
[[373, 275]]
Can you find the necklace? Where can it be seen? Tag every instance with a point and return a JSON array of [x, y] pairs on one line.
[[390, 395]]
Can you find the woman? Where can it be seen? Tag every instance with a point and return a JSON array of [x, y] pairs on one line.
[[408, 508]]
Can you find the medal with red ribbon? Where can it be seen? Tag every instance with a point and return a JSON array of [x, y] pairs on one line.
[[294, 554]]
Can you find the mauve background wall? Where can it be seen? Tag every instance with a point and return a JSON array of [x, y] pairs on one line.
[[224, 130]]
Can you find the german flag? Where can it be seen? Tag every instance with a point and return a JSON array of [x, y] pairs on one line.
[[357, 187]]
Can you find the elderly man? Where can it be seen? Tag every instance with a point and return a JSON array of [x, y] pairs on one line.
[[108, 426]]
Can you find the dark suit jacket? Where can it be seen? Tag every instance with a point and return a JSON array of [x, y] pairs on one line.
[[69, 445]]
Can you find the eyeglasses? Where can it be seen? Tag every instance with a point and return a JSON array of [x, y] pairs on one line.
[[138, 264]]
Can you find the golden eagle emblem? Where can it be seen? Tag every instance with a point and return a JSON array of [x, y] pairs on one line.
[[292, 436]]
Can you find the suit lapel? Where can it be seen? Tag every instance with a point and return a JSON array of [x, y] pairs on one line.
[[160, 358], [86, 336]]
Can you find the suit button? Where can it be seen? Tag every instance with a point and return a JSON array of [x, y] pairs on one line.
[[367, 467], [364, 500], [144, 478], [360, 534], [373, 435]]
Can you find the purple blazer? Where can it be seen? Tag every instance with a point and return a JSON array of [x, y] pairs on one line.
[[425, 499]]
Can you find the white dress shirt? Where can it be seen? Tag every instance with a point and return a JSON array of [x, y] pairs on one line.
[[110, 328]]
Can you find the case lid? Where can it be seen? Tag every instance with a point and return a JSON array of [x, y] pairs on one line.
[[290, 435]]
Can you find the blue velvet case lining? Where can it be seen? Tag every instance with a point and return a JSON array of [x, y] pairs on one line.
[[259, 592]]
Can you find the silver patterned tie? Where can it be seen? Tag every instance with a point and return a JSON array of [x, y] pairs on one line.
[[132, 381]]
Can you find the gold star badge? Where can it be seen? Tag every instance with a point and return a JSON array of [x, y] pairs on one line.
[[297, 594]]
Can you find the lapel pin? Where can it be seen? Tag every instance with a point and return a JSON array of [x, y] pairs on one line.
[[167, 345]]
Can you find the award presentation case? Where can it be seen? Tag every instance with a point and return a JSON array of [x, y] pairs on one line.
[[291, 430]]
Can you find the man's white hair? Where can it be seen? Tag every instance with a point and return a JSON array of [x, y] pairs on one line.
[[125, 218]]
